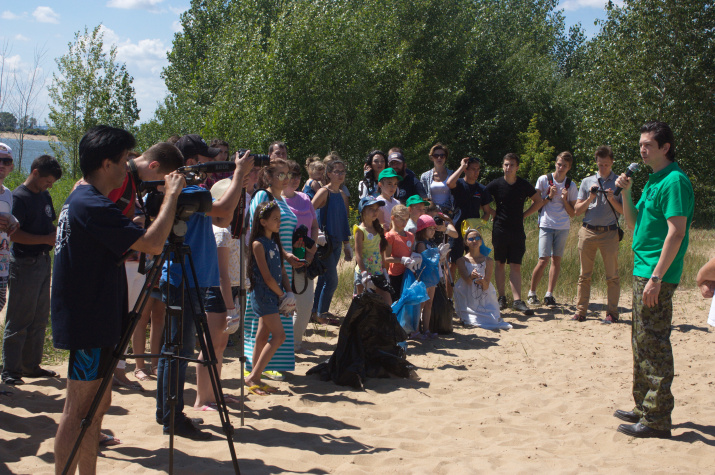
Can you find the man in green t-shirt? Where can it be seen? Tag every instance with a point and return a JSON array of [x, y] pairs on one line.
[[661, 223]]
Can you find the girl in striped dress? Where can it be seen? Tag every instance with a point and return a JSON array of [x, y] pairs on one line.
[[271, 181]]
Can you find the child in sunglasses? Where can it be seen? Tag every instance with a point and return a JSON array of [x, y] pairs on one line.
[[475, 299]]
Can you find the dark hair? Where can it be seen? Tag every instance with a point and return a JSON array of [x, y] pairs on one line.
[[604, 151], [330, 166], [439, 146], [276, 144], [257, 231], [266, 174], [566, 157], [464, 238], [216, 143], [370, 177], [168, 156], [47, 165], [100, 143], [512, 156], [421, 235], [380, 230], [663, 135]]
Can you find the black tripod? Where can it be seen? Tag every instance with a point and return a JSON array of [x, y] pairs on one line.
[[175, 251]]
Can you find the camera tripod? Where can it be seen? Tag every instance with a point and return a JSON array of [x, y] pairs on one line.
[[174, 251]]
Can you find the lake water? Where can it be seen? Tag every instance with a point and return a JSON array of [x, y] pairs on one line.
[[32, 149]]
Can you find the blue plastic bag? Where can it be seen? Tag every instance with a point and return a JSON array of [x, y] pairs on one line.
[[407, 308], [429, 270]]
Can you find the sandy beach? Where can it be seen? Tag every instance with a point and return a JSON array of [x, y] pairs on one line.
[[39, 138], [539, 397]]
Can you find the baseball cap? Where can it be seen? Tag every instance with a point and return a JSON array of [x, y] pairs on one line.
[[5, 150], [368, 201], [389, 173], [415, 200], [425, 221], [192, 144], [395, 156]]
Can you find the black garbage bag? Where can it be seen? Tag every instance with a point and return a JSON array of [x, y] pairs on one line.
[[442, 312], [367, 345]]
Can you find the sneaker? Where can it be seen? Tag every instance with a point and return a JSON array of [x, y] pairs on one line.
[[550, 301], [186, 428], [534, 300], [274, 375], [578, 318], [502, 302], [520, 306], [610, 318]]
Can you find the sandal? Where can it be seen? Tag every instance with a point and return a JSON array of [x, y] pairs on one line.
[[133, 385], [141, 374], [330, 319], [106, 440]]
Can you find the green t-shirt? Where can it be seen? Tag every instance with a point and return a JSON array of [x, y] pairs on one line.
[[668, 193]]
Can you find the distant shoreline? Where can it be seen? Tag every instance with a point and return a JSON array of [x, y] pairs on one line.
[[39, 138]]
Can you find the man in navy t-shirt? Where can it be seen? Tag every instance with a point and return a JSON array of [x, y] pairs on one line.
[[89, 287], [471, 200], [508, 238]]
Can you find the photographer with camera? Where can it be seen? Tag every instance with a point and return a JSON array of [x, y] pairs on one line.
[[200, 239], [89, 290], [599, 233]]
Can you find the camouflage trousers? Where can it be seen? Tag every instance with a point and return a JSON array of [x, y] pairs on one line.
[[653, 367]]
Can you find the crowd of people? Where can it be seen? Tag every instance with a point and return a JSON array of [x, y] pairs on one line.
[[288, 253]]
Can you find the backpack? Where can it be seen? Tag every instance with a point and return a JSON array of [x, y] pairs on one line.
[[550, 178]]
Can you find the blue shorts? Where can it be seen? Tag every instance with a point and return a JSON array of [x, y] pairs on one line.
[[213, 301], [264, 301], [552, 242], [89, 364]]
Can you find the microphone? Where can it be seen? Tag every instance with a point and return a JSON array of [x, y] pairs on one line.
[[632, 168], [209, 167]]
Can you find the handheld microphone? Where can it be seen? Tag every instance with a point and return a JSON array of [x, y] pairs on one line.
[[632, 168], [209, 167]]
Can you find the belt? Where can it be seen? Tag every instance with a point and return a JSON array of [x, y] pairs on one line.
[[33, 256], [612, 227]]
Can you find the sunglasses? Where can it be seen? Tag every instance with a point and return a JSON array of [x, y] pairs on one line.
[[473, 239], [283, 176], [438, 155], [339, 172], [6, 161]]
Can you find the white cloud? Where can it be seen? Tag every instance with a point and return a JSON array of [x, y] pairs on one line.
[[46, 15], [8, 15], [178, 10], [149, 92], [148, 55], [571, 5], [13, 63], [20, 37], [134, 4], [177, 26], [110, 37]]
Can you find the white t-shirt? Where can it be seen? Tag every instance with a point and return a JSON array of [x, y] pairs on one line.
[[387, 210], [553, 215], [5, 207]]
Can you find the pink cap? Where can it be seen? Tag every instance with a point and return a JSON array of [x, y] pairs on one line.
[[425, 221]]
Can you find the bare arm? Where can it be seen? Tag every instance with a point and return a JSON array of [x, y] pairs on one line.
[[359, 237], [676, 232], [152, 242], [582, 205], [23, 237], [320, 198], [388, 256], [706, 279], [628, 208], [614, 202], [452, 180], [537, 203], [464, 274], [225, 206], [260, 257]]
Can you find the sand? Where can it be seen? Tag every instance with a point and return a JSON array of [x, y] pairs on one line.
[[538, 398], [16, 136]]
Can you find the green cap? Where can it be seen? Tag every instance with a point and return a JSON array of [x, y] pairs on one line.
[[415, 200], [389, 173]]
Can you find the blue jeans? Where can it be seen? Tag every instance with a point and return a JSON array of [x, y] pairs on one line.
[[188, 340], [328, 282], [27, 312]]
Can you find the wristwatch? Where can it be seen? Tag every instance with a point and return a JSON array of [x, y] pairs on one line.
[[549, 198], [655, 279]]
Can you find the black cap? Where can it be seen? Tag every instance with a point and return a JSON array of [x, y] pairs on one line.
[[192, 144]]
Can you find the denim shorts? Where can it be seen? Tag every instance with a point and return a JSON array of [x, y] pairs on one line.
[[552, 242], [213, 302], [264, 301]]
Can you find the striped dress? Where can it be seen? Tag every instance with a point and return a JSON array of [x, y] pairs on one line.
[[284, 359]]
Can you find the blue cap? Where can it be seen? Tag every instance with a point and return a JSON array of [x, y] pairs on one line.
[[369, 200]]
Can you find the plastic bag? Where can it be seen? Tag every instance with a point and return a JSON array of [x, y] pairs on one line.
[[442, 312], [407, 308], [428, 272]]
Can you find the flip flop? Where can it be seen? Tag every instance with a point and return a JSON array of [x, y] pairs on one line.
[[269, 389], [141, 374], [130, 385], [208, 407], [108, 440], [258, 390]]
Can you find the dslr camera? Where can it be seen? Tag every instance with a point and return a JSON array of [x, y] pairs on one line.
[[259, 160]]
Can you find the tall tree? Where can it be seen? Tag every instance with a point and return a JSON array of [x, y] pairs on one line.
[[27, 87], [90, 88]]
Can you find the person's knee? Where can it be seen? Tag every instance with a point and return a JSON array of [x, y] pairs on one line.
[[279, 337]]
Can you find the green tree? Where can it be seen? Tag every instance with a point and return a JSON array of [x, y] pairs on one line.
[[536, 154], [90, 88], [8, 121]]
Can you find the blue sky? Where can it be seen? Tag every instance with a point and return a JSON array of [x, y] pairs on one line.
[[142, 30]]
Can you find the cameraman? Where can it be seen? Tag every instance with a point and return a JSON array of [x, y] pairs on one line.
[[89, 292], [599, 233], [200, 239]]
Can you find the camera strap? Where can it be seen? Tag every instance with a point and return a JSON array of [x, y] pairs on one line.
[[600, 183]]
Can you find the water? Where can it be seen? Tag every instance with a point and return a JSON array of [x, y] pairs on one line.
[[31, 150]]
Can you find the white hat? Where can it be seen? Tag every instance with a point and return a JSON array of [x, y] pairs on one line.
[[5, 149]]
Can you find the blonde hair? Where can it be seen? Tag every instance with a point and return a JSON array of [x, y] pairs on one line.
[[400, 211]]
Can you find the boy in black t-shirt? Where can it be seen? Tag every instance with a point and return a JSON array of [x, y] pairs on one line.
[[508, 238]]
